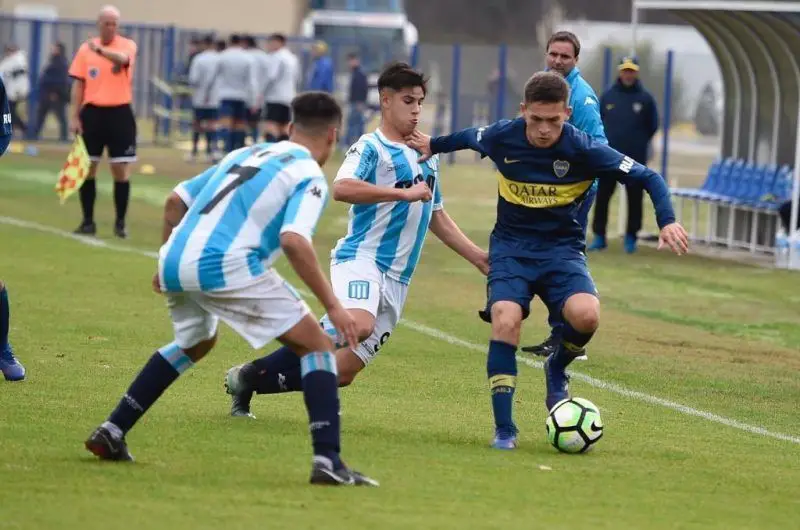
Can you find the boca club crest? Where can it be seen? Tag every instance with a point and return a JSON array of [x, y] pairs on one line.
[[560, 168]]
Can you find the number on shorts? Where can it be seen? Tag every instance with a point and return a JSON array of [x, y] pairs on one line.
[[244, 173], [358, 290]]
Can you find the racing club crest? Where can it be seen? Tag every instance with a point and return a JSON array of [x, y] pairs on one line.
[[560, 168]]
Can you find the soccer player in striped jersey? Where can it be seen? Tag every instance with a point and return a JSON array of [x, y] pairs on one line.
[[395, 200], [223, 231]]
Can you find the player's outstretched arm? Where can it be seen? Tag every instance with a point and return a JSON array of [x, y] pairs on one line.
[[353, 191], [301, 256], [174, 210], [471, 138], [610, 163], [445, 228]]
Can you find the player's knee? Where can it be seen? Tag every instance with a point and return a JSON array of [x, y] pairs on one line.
[[199, 350], [506, 320], [346, 378], [583, 313], [119, 170]]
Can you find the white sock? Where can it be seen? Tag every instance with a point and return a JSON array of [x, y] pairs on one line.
[[115, 431]]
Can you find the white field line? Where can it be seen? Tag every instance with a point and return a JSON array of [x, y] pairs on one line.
[[450, 339]]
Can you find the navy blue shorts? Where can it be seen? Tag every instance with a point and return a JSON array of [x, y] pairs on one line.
[[235, 109], [205, 114], [553, 278]]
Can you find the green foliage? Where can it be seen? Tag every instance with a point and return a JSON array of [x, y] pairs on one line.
[[653, 73]]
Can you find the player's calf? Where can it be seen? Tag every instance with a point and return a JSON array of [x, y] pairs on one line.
[[581, 319], [501, 370]]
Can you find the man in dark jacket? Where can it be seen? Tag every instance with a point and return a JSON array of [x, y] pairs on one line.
[[359, 89], [630, 119], [6, 131], [54, 86]]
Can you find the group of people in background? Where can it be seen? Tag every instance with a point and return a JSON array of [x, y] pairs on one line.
[[242, 89]]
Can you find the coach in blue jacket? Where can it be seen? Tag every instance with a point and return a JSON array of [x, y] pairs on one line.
[[5, 115], [630, 119]]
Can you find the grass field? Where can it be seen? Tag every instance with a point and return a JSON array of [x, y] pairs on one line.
[[695, 369]]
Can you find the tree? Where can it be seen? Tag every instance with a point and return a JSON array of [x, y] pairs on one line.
[[652, 74]]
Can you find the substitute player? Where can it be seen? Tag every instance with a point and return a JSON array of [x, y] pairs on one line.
[[563, 52], [12, 369], [223, 231], [237, 86], [280, 86], [537, 246], [205, 100], [372, 266], [101, 112]]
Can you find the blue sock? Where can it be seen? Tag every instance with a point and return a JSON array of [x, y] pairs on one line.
[[572, 343], [501, 367], [211, 141], [321, 394], [276, 373], [5, 317], [227, 139], [195, 141], [163, 368]]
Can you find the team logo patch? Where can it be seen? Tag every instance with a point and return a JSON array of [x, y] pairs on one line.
[[358, 290], [353, 151], [316, 192], [94, 72], [637, 107], [560, 168]]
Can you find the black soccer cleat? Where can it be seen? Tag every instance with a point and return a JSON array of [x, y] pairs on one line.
[[86, 229], [322, 475], [119, 230], [106, 447], [545, 349]]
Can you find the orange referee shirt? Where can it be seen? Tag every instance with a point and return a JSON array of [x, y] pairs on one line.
[[105, 84]]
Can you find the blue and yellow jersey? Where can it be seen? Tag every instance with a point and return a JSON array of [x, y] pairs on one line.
[[540, 191], [5, 120]]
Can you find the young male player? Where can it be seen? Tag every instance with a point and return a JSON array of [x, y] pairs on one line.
[[537, 245], [9, 365], [223, 231], [237, 88], [563, 53], [205, 103], [372, 266]]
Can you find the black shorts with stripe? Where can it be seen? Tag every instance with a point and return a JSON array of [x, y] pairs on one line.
[[109, 127]]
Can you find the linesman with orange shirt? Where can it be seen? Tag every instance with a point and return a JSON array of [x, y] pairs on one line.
[[101, 112]]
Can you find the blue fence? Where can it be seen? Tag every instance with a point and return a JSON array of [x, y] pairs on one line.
[[470, 85]]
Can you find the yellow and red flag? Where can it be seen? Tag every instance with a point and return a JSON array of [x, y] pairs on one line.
[[75, 169]]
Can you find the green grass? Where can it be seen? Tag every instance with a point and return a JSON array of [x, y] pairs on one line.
[[713, 335]]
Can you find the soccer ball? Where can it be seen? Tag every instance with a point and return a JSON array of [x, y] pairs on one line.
[[574, 425]]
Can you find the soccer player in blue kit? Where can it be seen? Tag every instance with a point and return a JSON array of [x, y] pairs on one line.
[[546, 168]]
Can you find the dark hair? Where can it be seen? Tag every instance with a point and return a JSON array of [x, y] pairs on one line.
[[249, 40], [221, 45], [208, 40], [566, 36], [235, 39], [352, 55], [314, 111], [280, 37], [60, 47], [546, 87], [398, 76]]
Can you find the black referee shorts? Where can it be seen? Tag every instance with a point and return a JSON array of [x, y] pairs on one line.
[[109, 127]]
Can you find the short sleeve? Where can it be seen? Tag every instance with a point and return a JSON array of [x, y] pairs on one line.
[[188, 190], [360, 162], [305, 207], [78, 67]]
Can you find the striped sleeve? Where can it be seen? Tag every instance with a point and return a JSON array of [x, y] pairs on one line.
[[188, 190], [305, 207], [361, 162]]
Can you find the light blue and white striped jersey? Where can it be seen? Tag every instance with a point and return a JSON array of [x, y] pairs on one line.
[[238, 210], [202, 79], [391, 233]]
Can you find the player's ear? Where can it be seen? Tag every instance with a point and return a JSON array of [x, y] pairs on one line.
[[291, 128], [522, 108], [569, 111]]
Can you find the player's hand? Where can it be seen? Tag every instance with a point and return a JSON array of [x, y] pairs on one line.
[[675, 237], [345, 325], [421, 142], [156, 284], [75, 124], [482, 263], [418, 192]]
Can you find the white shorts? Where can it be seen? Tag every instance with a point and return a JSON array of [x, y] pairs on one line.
[[359, 284], [259, 313]]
